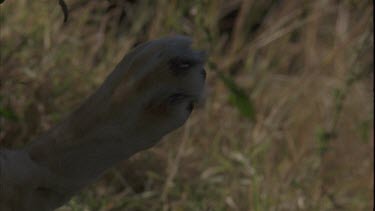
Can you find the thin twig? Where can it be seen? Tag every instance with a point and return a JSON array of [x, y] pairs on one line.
[[64, 9]]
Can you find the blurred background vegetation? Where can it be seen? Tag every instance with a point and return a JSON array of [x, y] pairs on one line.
[[287, 123]]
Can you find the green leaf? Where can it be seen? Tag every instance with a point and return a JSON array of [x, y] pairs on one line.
[[8, 114], [365, 130], [238, 97], [323, 137]]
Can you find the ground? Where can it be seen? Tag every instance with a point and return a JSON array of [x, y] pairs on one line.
[[287, 123]]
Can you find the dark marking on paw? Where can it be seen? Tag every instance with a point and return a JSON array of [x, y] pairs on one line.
[[190, 106], [177, 98], [204, 74], [180, 65]]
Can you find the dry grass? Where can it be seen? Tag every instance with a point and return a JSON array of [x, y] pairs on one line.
[[307, 67]]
